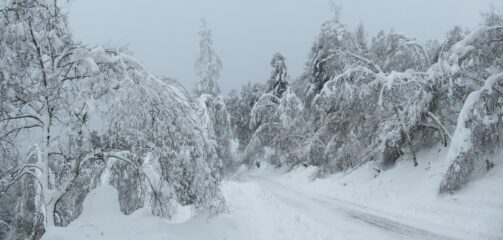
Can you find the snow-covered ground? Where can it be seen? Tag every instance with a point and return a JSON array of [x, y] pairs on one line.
[[268, 204]]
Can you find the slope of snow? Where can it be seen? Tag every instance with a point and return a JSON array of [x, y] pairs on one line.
[[269, 204], [409, 194], [253, 214]]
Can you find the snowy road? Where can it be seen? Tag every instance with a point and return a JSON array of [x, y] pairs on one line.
[[341, 218], [265, 204]]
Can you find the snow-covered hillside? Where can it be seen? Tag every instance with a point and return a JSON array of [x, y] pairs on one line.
[[267, 203]]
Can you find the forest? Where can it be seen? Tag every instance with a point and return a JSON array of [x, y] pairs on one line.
[[75, 117]]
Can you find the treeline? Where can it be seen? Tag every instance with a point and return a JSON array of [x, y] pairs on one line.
[[360, 102]]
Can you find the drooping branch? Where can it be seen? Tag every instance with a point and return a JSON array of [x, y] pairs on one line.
[[18, 174], [374, 67], [155, 192], [443, 131], [28, 116]]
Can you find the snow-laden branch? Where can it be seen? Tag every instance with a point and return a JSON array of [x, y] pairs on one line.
[[25, 170], [156, 194]]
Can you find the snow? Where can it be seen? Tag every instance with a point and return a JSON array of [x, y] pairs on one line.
[[463, 47], [102, 219], [269, 204], [409, 195], [93, 67]]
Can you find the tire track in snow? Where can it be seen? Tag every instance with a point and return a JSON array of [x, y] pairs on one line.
[[331, 211]]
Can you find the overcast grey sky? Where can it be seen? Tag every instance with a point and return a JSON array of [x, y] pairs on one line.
[[246, 33]]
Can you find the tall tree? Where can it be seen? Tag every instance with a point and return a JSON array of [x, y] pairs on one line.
[[208, 64], [44, 62], [361, 39], [278, 82], [493, 16]]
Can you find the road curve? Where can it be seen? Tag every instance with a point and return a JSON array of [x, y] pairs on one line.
[[351, 222]]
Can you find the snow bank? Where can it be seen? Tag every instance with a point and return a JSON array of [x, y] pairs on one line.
[[102, 219], [408, 195], [253, 214], [268, 205]]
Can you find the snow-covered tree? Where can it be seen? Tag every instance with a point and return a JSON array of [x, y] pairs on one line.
[[239, 107], [278, 82], [478, 135], [273, 118], [328, 55], [452, 37], [493, 16], [208, 64], [212, 106], [361, 39], [395, 52], [95, 116], [216, 120], [334, 50], [43, 62]]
